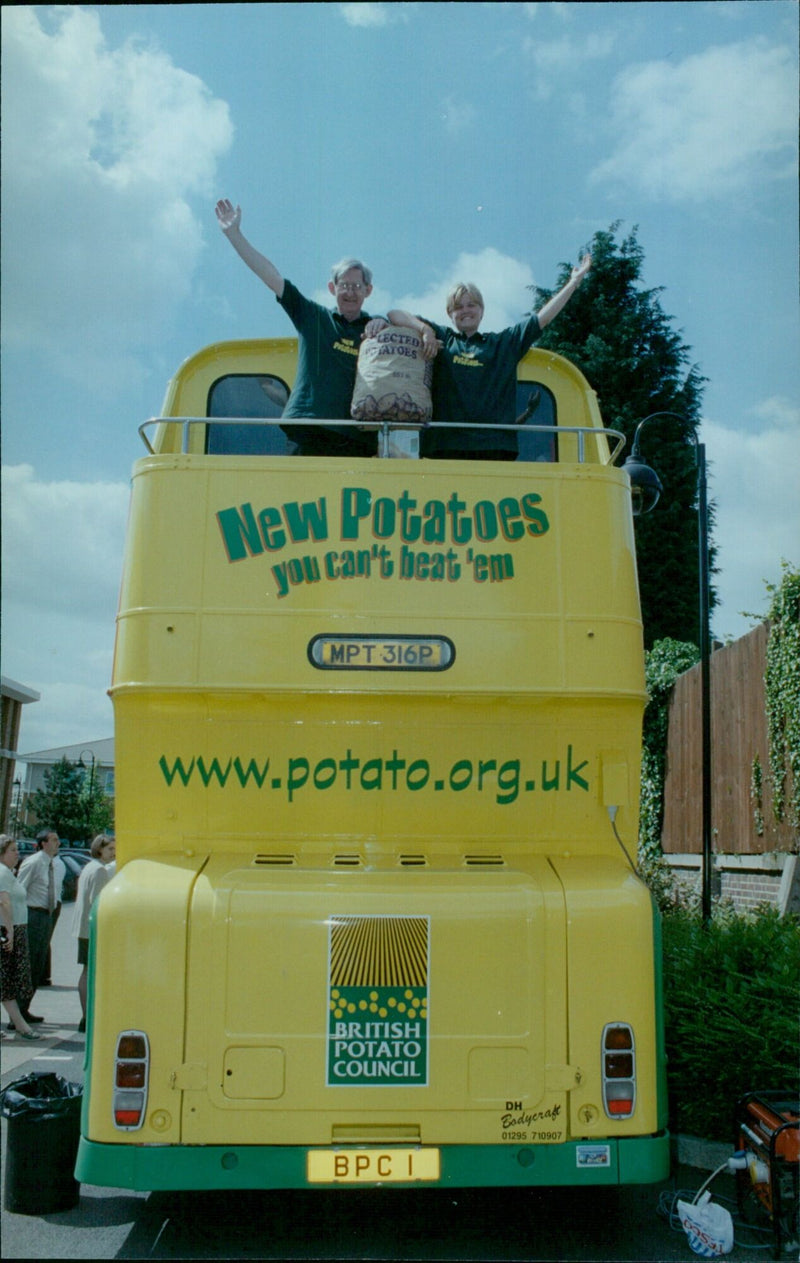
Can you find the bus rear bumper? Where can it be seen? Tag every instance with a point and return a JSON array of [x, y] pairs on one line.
[[150, 1168]]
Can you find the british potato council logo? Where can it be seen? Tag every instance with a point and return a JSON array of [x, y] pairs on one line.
[[378, 1001]]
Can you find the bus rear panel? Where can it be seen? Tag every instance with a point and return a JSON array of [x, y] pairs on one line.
[[376, 723]]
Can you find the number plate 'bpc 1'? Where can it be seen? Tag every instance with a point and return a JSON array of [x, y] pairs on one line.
[[381, 653], [371, 1166]]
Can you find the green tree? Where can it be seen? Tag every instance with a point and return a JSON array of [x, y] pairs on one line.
[[98, 807], [58, 806], [782, 685], [72, 803], [617, 334], [663, 664]]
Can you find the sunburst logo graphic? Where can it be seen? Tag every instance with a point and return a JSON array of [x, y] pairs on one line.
[[378, 1001]]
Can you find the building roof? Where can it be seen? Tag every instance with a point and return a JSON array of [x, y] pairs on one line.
[[17, 692], [102, 750]]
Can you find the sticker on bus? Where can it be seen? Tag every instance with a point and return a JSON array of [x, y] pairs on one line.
[[593, 1155]]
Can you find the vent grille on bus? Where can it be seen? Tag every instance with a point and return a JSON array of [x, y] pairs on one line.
[[281, 861], [413, 861], [376, 1134], [484, 861], [347, 861]]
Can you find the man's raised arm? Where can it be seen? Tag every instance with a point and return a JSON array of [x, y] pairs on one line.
[[230, 219]]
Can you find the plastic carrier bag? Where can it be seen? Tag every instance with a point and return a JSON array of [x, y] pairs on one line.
[[708, 1227], [393, 382]]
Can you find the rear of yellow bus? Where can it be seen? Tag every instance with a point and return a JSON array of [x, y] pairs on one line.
[[378, 725]]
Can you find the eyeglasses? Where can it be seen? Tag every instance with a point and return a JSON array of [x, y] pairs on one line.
[[349, 287]]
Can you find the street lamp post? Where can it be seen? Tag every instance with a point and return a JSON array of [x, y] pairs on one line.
[[646, 489], [16, 804], [91, 786]]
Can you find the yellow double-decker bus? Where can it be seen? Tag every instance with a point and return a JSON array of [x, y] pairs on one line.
[[378, 728]]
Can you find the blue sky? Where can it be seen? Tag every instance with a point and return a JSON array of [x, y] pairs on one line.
[[436, 141]]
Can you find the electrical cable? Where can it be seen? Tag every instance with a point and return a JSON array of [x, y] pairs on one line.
[[667, 1204], [722, 1167], [625, 851], [668, 1201], [612, 815]]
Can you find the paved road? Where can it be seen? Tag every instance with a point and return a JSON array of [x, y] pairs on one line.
[[595, 1226]]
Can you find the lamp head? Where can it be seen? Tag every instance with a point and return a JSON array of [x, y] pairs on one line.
[[645, 484]]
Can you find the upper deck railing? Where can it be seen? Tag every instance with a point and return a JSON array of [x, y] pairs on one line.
[[384, 429]]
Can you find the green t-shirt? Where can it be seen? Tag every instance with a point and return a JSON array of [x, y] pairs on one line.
[[474, 382], [327, 358]]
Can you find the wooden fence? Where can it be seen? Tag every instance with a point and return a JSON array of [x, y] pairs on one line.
[[738, 735]]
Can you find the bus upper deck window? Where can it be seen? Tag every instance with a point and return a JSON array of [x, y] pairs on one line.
[[536, 407], [253, 396]]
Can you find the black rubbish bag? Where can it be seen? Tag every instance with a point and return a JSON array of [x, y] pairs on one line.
[[44, 1127]]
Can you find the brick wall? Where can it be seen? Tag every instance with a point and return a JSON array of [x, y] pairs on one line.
[[747, 890], [747, 883]]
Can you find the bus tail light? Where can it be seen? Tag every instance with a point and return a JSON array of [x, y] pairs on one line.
[[619, 1070], [131, 1073]]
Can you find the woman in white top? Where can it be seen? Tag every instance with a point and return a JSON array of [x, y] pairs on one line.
[[96, 874], [15, 965]]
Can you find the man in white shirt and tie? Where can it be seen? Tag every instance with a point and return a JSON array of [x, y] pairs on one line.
[[42, 874]]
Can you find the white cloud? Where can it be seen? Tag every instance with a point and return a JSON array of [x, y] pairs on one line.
[[731, 9], [559, 64], [62, 542], [62, 562], [706, 127], [780, 414], [375, 14], [102, 150], [561, 54], [553, 9], [457, 115], [65, 715], [753, 481]]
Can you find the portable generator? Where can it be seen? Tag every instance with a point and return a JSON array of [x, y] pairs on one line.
[[767, 1127]]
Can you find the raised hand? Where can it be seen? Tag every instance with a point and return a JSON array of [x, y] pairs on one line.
[[228, 215], [580, 271]]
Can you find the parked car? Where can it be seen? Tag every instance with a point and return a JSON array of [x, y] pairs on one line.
[[74, 862], [25, 847]]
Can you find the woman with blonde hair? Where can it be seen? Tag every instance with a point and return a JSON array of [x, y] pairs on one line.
[[15, 965], [96, 874], [475, 376]]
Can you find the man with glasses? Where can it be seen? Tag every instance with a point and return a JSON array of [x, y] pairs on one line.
[[328, 345]]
